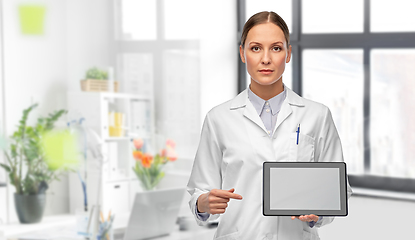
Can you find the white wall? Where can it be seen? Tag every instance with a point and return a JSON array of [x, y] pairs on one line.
[[3, 193], [34, 67], [42, 68], [88, 38]]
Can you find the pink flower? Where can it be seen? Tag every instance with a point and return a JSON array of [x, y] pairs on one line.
[[163, 152], [171, 154], [138, 143], [170, 143]]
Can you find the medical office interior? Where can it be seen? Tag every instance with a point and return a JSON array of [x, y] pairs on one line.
[[166, 64]]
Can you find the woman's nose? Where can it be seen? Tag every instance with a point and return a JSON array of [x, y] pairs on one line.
[[266, 59]]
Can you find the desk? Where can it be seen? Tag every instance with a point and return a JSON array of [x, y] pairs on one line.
[[63, 227], [48, 226]]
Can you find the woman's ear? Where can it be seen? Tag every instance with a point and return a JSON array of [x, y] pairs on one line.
[[288, 54], [241, 53]]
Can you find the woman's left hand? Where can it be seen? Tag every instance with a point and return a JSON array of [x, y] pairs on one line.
[[306, 218]]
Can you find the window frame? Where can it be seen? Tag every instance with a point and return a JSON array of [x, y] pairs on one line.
[[366, 41], [156, 47]]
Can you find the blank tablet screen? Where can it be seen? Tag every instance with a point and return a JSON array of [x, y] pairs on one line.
[[296, 188]]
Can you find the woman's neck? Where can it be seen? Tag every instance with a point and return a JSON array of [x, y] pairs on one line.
[[267, 91]]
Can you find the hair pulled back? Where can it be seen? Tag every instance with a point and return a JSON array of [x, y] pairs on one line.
[[264, 17]]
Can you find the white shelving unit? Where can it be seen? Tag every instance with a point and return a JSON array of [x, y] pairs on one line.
[[119, 183]]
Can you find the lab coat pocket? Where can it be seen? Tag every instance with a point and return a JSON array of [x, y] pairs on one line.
[[231, 236], [304, 150], [310, 236]]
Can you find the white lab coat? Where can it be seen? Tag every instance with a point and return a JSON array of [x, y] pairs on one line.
[[233, 146]]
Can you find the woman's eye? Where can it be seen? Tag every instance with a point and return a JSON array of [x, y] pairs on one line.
[[276, 49], [255, 49]]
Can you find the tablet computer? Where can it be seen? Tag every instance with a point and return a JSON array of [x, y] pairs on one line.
[[302, 188]]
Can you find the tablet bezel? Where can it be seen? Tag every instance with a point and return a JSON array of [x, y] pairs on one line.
[[291, 212]]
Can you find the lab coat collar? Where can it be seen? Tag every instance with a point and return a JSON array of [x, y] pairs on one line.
[[293, 98], [242, 99]]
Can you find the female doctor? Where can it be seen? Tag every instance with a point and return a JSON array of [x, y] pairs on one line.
[[259, 125]]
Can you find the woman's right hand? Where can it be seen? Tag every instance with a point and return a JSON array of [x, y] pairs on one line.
[[216, 201]]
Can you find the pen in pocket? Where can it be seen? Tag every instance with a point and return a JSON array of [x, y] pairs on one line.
[[298, 132]]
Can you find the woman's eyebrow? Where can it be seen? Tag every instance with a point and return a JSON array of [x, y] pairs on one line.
[[255, 43], [277, 42]]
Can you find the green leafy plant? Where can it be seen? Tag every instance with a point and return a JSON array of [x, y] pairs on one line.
[[26, 165], [95, 73]]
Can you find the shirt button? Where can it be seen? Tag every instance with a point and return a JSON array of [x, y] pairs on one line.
[[267, 103], [267, 110], [269, 132]]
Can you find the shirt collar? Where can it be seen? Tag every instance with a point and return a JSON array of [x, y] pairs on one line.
[[275, 102]]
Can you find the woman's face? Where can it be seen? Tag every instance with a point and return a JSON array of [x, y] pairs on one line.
[[265, 53]]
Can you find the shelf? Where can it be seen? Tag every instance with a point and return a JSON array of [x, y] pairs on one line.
[[138, 116], [111, 139], [116, 95], [118, 180], [125, 96]]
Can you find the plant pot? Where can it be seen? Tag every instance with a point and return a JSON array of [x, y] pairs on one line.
[[30, 208], [96, 85]]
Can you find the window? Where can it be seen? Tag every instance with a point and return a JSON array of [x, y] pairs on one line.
[[161, 48], [392, 115], [327, 16], [177, 14], [335, 77], [156, 57], [357, 57], [388, 17], [138, 20]]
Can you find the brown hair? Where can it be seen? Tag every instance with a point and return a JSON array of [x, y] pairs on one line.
[[263, 17]]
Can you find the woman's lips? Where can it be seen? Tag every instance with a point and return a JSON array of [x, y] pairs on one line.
[[266, 71]]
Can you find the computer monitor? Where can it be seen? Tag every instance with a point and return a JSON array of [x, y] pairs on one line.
[[154, 213]]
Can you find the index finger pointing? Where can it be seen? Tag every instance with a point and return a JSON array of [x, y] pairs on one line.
[[226, 194]]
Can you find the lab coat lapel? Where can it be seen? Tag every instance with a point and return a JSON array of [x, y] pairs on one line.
[[283, 114], [291, 101], [242, 101], [252, 115]]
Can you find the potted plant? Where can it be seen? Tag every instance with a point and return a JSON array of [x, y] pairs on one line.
[[26, 166], [96, 80]]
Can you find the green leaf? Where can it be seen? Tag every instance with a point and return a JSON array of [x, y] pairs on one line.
[[53, 117], [95, 73], [158, 179], [7, 168]]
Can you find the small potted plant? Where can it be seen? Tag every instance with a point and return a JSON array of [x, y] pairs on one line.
[[26, 166], [96, 80]]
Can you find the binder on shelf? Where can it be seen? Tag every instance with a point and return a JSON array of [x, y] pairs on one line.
[[141, 119]]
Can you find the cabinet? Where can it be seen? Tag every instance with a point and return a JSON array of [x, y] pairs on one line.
[[118, 182]]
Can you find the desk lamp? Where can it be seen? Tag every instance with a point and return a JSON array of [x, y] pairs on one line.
[[89, 140]]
